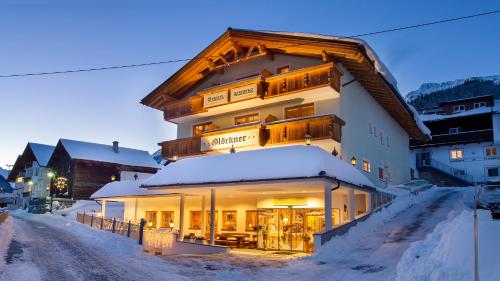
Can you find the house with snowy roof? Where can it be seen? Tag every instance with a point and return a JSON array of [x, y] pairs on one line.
[[465, 142], [78, 168], [280, 136], [30, 171]]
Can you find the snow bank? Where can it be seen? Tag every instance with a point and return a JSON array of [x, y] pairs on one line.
[[6, 233], [419, 122], [297, 161], [447, 253], [475, 111], [113, 209], [341, 246], [124, 188]]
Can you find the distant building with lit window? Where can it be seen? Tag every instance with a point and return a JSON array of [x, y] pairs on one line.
[[465, 143]]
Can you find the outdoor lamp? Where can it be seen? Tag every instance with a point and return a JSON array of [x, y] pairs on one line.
[[30, 182], [171, 224], [113, 177], [150, 224], [50, 174], [353, 161], [308, 139], [174, 158]]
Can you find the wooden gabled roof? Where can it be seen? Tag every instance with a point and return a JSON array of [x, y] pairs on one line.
[[237, 45]]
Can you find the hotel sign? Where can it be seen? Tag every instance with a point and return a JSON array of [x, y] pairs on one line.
[[244, 92], [228, 140], [214, 99], [294, 201]]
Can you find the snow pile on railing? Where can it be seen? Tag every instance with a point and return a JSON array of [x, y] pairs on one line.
[[6, 233], [341, 246], [447, 253]]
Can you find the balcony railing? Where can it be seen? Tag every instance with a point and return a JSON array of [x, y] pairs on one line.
[[265, 87], [463, 137], [272, 133]]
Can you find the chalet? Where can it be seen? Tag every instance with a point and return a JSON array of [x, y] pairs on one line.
[[30, 171], [465, 142], [78, 169], [280, 137]]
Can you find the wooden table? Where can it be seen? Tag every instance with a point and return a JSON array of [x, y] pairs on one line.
[[239, 237]]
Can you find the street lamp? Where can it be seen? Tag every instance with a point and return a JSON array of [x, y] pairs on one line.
[[51, 175], [353, 161]]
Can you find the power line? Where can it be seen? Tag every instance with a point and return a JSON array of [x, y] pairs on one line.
[[286, 46]]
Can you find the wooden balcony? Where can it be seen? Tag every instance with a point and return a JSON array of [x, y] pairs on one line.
[[273, 133], [266, 87], [460, 138]]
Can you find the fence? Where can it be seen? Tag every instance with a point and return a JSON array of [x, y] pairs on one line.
[[113, 225], [4, 214]]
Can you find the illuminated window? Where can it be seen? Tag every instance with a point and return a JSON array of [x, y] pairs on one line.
[[229, 220], [251, 221], [19, 179], [199, 129], [283, 69], [366, 166], [299, 111], [166, 218], [207, 216], [195, 219], [151, 219], [491, 151], [457, 154], [246, 119]]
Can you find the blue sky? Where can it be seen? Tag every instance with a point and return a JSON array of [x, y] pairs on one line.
[[104, 106]]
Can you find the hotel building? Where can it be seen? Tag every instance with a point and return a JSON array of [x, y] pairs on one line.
[[281, 138]]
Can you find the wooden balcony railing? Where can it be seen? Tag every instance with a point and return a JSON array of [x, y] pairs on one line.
[[463, 137], [267, 87], [273, 133]]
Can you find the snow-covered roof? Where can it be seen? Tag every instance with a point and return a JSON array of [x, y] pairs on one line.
[[42, 152], [129, 188], [436, 117], [104, 153], [379, 65], [298, 161]]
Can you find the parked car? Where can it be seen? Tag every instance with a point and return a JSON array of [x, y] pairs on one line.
[[489, 198]]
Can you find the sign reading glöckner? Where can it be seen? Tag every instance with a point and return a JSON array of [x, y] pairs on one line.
[[214, 99], [244, 92], [228, 140]]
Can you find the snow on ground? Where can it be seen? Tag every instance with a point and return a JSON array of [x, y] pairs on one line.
[[447, 253], [6, 232], [113, 209]]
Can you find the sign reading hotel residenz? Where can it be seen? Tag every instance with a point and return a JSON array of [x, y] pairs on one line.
[[235, 94], [228, 140]]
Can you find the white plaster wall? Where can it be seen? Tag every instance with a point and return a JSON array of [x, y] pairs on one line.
[[496, 125], [357, 109]]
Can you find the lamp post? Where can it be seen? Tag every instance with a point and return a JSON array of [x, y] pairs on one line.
[[51, 175]]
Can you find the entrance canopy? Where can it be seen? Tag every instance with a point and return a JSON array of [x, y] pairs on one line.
[[296, 162]]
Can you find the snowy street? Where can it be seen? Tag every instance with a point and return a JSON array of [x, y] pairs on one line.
[[48, 247]]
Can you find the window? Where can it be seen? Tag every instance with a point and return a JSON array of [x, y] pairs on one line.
[[199, 129], [455, 130], [254, 117], [207, 216], [151, 219], [167, 217], [251, 221], [381, 138], [458, 108], [366, 166], [195, 219], [381, 173], [299, 111], [370, 128], [375, 130], [229, 220], [457, 154], [492, 172], [491, 152], [479, 104], [387, 142], [283, 69]]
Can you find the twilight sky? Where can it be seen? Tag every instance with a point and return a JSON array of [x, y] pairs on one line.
[[103, 106]]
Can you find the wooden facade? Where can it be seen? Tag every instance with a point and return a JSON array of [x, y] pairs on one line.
[[272, 133]]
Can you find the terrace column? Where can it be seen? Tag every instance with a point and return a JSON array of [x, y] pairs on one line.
[[328, 206], [103, 208], [203, 216], [136, 205], [212, 216], [369, 202], [352, 204], [181, 218]]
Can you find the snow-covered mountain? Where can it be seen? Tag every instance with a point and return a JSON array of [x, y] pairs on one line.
[[428, 88], [4, 172]]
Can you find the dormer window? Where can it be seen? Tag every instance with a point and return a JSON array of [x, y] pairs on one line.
[[479, 104], [458, 108], [455, 130]]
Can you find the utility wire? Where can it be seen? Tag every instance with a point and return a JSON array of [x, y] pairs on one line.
[[286, 46]]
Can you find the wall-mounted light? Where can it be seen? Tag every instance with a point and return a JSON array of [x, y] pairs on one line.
[[171, 224], [174, 158], [232, 150], [308, 139], [353, 161], [113, 178], [50, 174]]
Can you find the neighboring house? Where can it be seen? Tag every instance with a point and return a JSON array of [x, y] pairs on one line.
[[6, 193], [292, 133], [30, 173], [80, 168], [465, 141]]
